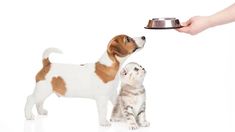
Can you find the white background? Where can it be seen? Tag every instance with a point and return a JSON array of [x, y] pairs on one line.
[[190, 79]]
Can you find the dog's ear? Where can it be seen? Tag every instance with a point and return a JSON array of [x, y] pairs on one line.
[[123, 72], [116, 49]]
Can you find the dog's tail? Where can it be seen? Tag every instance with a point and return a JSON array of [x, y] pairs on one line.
[[46, 54]]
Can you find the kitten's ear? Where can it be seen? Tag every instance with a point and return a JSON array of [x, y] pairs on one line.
[[123, 72]]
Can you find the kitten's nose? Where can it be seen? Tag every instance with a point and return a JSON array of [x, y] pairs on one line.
[[144, 70]]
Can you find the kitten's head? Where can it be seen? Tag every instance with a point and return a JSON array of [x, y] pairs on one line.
[[132, 74]]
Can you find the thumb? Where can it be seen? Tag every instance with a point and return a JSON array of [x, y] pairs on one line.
[[184, 24], [187, 23], [185, 27]]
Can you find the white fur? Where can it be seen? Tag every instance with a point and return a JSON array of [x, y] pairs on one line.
[[106, 60], [140, 42], [132, 77], [48, 51], [81, 81]]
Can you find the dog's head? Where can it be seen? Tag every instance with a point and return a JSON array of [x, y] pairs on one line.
[[123, 45], [132, 74]]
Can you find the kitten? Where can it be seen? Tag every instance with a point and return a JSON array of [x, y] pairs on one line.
[[130, 103]]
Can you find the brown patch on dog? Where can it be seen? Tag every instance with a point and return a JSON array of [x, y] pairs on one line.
[[120, 46], [106, 73], [45, 69], [58, 85]]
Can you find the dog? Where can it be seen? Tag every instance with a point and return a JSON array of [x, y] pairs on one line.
[[97, 81], [131, 101]]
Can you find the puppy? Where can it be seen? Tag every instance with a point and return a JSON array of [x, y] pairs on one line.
[[130, 103], [97, 80]]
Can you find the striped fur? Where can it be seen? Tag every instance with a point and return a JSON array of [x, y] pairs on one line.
[[130, 105]]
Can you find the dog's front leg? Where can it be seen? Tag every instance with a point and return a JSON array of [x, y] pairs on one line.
[[102, 107], [113, 98]]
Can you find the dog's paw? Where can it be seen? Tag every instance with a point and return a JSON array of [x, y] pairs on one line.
[[105, 124], [133, 126], [144, 124], [43, 112], [29, 117], [115, 120]]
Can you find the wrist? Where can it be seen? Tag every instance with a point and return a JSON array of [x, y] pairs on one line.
[[210, 21], [213, 20]]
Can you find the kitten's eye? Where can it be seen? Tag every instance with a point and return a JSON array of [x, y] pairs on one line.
[[136, 69]]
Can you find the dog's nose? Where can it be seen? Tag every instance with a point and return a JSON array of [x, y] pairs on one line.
[[143, 37]]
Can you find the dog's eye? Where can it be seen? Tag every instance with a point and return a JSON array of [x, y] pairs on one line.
[[128, 40], [136, 69]]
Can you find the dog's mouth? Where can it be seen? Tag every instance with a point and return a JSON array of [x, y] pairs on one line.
[[140, 42], [137, 48]]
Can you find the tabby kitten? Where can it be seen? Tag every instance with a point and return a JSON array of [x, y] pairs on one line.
[[130, 105]]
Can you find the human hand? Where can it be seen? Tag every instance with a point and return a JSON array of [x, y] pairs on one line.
[[195, 25]]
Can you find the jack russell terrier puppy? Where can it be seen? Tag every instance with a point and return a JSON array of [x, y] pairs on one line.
[[97, 81]]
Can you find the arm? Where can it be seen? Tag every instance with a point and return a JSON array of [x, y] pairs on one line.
[[200, 23], [225, 16]]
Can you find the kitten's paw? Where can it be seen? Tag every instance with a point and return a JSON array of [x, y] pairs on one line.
[[144, 124], [105, 124], [133, 126]]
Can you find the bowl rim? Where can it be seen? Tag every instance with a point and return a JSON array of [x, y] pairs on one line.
[[163, 27], [164, 19]]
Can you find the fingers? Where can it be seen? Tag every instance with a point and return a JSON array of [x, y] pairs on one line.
[[187, 23], [186, 27], [184, 24]]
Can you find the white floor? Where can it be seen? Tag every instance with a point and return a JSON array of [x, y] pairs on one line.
[[165, 113]]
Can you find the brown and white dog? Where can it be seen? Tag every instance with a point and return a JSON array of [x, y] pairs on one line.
[[98, 80]]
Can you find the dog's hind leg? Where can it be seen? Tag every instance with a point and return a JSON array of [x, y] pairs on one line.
[[42, 91], [29, 106], [40, 109]]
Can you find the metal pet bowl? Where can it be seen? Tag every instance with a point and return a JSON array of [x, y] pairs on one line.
[[163, 23]]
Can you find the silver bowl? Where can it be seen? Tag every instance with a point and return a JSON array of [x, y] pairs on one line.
[[163, 23]]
